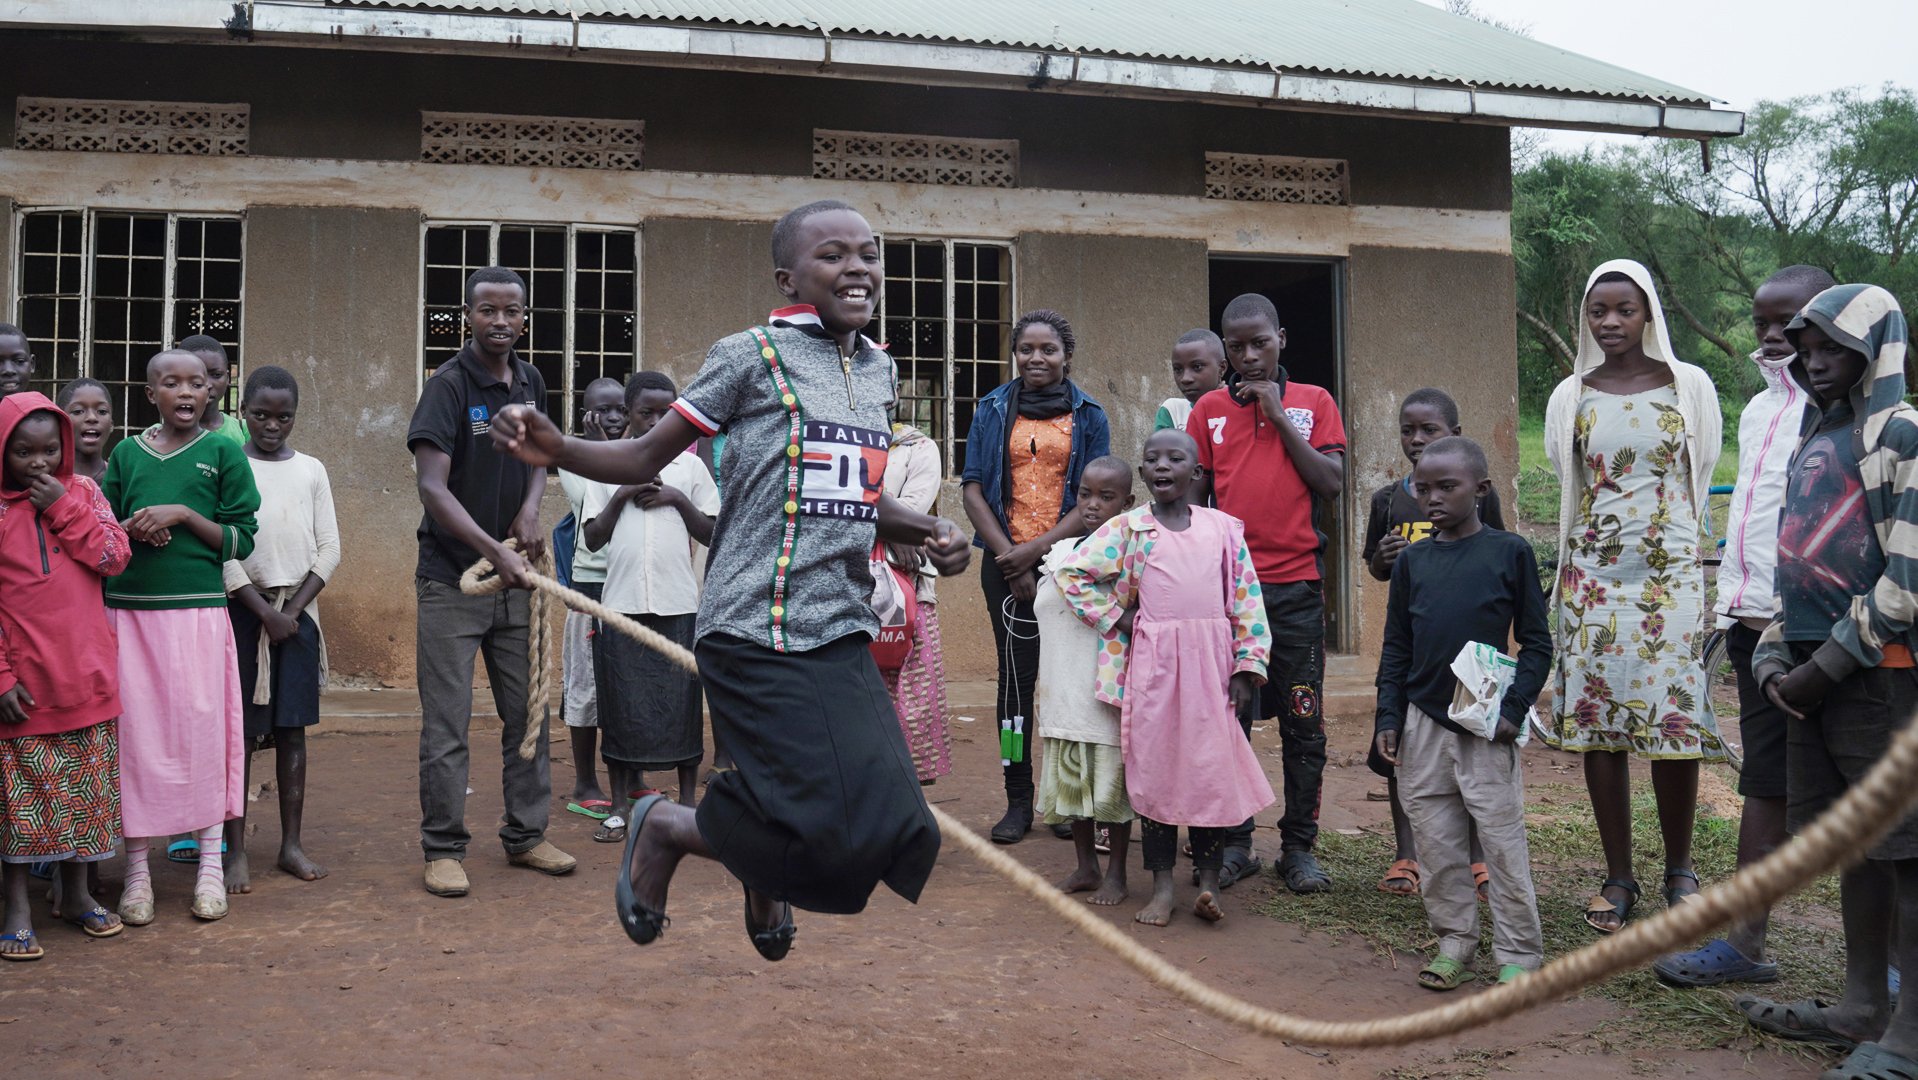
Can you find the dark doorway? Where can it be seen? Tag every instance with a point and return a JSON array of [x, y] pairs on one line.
[[1308, 294]]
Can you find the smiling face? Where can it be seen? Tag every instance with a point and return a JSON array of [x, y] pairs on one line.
[[1105, 491], [92, 413], [218, 377], [1040, 356], [649, 408], [1446, 489], [1198, 369], [1421, 425], [838, 270], [270, 413], [176, 385], [33, 449], [1253, 346], [1170, 465], [1773, 306], [496, 318], [16, 364], [1831, 368], [605, 406], [1616, 314]]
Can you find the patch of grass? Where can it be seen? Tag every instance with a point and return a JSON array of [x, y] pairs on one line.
[[1567, 866]]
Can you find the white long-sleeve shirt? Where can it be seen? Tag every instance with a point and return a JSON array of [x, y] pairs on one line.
[[1767, 435], [299, 534]]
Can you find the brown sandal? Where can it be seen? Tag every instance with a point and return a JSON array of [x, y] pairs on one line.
[[1406, 870], [1482, 880]]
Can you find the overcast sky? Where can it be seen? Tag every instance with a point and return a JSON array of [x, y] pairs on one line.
[[1740, 52]]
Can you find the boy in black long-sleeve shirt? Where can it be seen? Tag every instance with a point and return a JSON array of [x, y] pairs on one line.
[[1469, 584]]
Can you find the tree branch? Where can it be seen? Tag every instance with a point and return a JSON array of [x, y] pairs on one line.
[[1556, 342]]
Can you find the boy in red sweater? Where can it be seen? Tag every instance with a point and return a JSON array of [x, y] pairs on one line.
[[59, 671], [1273, 448]]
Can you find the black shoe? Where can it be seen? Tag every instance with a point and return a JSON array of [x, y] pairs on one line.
[[772, 944], [1061, 829], [1018, 821], [641, 923]]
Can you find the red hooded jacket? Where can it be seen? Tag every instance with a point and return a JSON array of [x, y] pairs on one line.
[[54, 637]]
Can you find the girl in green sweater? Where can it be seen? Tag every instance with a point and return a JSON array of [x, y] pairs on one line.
[[187, 499]]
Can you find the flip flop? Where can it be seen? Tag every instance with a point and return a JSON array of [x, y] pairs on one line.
[[1406, 870], [1799, 1021], [641, 923], [597, 809], [1445, 973], [612, 830], [775, 943], [25, 937], [1716, 964], [95, 923], [1102, 838], [1871, 1061], [187, 851]]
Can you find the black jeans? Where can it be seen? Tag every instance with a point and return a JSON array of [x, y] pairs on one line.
[[1018, 650], [1159, 843], [1294, 683]]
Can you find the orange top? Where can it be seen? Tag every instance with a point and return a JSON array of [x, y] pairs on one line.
[[1038, 452], [1896, 656]]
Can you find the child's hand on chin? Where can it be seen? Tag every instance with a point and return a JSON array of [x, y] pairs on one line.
[[43, 491]]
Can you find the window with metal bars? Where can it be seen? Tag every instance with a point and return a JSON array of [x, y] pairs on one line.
[[947, 319], [99, 292], [582, 300]]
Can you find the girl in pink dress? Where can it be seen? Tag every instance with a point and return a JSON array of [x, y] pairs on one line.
[[1171, 588]]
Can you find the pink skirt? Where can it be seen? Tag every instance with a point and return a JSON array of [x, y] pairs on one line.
[[182, 738]]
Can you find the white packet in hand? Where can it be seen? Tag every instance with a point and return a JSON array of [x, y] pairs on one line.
[[1484, 675]]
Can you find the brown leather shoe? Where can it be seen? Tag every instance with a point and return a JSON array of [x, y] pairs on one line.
[[545, 858], [445, 877]]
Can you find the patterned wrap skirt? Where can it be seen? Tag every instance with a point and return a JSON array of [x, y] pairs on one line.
[[60, 795], [918, 692], [1082, 780]]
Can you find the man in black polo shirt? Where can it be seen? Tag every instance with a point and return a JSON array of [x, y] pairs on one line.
[[475, 500]]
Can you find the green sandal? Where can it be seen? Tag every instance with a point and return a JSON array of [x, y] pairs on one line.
[[1510, 973], [1445, 973]]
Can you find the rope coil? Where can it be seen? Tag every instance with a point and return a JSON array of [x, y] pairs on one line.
[[1837, 839]]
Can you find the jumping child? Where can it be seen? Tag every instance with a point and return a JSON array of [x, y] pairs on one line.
[[1396, 520], [603, 411], [59, 672], [1082, 780], [1198, 367], [1467, 584], [649, 707], [1172, 589], [16, 360], [219, 377], [91, 407], [276, 625], [823, 803], [189, 498], [1837, 660]]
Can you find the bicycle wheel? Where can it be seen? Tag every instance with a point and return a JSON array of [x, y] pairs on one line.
[[1721, 682]]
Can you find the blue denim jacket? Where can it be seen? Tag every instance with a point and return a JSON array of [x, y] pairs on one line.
[[986, 448]]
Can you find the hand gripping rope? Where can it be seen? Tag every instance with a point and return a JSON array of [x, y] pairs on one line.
[[1838, 838]]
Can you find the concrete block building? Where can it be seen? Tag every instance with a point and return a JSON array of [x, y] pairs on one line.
[[311, 180]]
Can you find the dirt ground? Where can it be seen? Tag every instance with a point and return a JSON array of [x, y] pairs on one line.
[[364, 973]]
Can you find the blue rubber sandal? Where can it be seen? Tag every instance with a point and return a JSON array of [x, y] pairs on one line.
[[187, 851], [27, 938], [1716, 964], [641, 923]]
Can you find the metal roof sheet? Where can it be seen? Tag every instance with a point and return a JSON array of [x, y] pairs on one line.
[[1385, 39]]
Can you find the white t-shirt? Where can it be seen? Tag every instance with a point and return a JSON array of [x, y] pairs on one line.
[[1068, 661], [587, 565], [298, 535], [649, 560]]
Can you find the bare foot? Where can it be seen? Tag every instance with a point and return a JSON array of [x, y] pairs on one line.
[[1111, 893], [1207, 907], [1084, 879], [1156, 912], [239, 874], [294, 861]]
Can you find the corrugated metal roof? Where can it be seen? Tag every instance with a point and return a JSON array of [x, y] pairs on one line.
[[1386, 39]]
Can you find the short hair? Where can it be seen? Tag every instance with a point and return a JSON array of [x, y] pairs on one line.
[[1817, 279], [603, 380], [202, 343], [271, 377], [1180, 432], [495, 275], [1461, 447], [7, 329], [1433, 398], [65, 395], [164, 353], [786, 229], [1612, 277], [1110, 461], [1050, 318], [643, 381], [1250, 305], [1207, 336]]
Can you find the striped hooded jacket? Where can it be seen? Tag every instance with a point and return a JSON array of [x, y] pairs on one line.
[[1867, 320]]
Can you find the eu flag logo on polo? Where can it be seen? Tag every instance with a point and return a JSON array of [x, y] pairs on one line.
[[482, 420]]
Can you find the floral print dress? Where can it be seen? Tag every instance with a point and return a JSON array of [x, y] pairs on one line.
[[1631, 595]]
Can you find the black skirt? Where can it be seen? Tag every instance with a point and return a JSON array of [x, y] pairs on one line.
[[823, 804], [295, 678], [649, 707]]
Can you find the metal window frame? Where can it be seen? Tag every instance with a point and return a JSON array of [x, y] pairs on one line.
[[569, 359], [949, 319], [88, 215]]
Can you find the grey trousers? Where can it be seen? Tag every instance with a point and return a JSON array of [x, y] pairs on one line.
[[452, 627], [1447, 781]]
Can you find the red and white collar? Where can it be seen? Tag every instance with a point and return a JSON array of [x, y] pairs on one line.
[[803, 315]]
